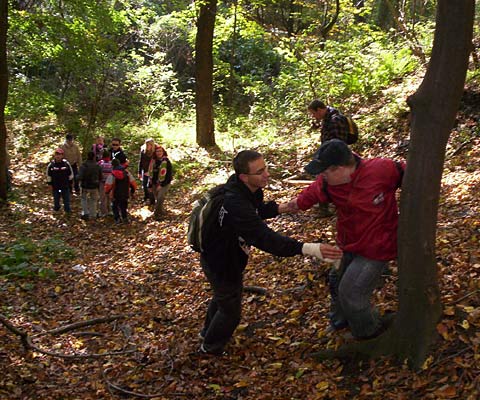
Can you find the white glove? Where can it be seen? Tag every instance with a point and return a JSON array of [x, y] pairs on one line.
[[336, 263], [312, 249]]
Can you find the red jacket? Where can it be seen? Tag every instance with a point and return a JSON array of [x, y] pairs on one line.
[[367, 213]]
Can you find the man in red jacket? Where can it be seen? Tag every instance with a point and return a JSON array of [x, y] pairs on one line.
[[363, 192]]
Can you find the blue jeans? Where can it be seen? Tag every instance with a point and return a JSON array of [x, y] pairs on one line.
[[65, 195], [224, 310], [358, 278]]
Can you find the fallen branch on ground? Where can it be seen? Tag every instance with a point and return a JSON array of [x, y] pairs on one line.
[[28, 344]]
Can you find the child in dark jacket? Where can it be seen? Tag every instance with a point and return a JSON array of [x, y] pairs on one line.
[[59, 176], [120, 185]]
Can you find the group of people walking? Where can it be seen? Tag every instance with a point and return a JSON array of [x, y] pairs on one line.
[[104, 181]]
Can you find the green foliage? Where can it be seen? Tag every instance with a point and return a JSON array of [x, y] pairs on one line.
[[27, 99], [25, 258], [126, 69]]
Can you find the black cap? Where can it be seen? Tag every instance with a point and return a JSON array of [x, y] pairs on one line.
[[332, 152]]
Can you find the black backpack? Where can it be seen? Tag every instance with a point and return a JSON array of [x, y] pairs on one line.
[[204, 225]]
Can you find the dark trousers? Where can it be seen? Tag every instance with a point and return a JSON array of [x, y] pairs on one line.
[[119, 209], [224, 310], [75, 183], [146, 194], [63, 194]]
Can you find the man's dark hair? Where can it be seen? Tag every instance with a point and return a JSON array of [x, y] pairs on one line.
[[90, 155], [316, 104], [69, 136], [116, 139], [242, 159]]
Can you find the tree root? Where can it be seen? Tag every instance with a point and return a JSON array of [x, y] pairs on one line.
[[360, 350], [27, 340], [118, 388]]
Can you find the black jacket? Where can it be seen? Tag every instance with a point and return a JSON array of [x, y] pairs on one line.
[[59, 174], [90, 175], [242, 226], [119, 155]]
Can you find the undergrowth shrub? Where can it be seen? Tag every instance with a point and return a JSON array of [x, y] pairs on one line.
[[25, 258]]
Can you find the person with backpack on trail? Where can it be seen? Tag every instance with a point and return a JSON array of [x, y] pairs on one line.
[[120, 185], [59, 177], [160, 174], [225, 254], [363, 191], [90, 176], [333, 125], [106, 165]]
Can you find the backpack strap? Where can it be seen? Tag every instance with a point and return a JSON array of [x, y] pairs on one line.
[[325, 189], [350, 125], [398, 166]]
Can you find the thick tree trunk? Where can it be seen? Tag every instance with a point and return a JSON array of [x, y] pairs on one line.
[[3, 97], [204, 74], [434, 107]]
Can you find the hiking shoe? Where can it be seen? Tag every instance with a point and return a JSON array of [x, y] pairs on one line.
[[216, 353], [337, 322], [337, 326], [385, 322]]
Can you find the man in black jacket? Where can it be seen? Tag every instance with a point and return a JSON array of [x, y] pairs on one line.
[[224, 260]]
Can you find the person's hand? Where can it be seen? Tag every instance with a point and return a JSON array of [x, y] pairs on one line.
[[330, 253], [290, 207], [139, 177], [322, 251]]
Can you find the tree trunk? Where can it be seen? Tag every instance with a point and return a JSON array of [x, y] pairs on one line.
[[3, 97], [434, 107], [204, 74]]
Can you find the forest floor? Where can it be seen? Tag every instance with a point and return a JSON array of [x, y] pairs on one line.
[[145, 277]]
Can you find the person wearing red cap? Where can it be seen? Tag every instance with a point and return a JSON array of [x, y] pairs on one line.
[[59, 177]]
